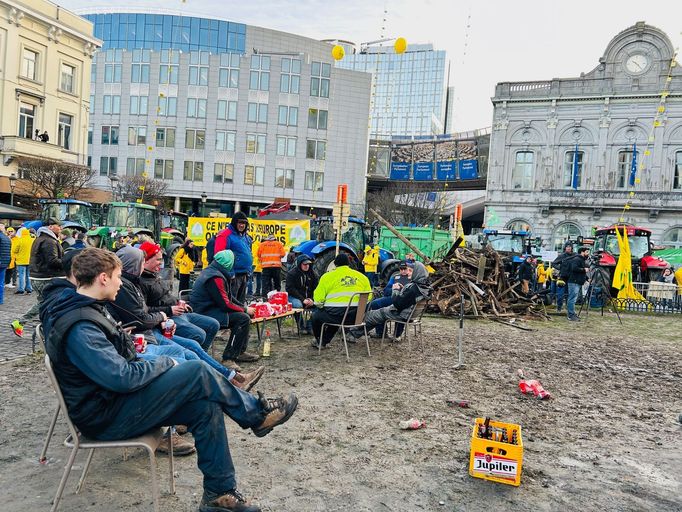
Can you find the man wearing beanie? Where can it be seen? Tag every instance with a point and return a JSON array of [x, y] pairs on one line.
[[211, 297], [331, 296], [235, 238]]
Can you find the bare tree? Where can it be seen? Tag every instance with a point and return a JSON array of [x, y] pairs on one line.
[[150, 190], [403, 203], [53, 178]]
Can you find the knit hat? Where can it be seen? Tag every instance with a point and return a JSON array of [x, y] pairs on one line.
[[225, 259], [342, 260], [150, 249]]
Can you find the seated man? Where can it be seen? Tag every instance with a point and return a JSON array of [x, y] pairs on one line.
[[301, 283], [396, 282], [110, 394], [331, 297], [404, 300], [211, 297], [158, 295]]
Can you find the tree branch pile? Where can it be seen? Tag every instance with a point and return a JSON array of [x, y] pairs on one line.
[[479, 277]]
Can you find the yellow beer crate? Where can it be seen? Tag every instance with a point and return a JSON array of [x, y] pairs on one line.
[[492, 459]]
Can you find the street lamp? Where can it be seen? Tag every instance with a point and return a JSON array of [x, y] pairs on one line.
[[12, 184], [203, 204], [115, 185]]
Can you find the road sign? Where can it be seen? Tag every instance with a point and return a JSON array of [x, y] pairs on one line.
[[341, 209]]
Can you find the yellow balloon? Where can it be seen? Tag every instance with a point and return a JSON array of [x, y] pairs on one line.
[[400, 45], [338, 52]]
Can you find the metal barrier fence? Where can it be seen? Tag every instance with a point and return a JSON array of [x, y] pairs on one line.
[[659, 298]]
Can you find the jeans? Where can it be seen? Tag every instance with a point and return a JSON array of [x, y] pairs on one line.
[[200, 328], [175, 351], [330, 315], [377, 319], [379, 303], [38, 284], [297, 304], [372, 276], [2, 284], [249, 286], [190, 394], [560, 293], [193, 348], [238, 287], [271, 279], [23, 279], [573, 292]]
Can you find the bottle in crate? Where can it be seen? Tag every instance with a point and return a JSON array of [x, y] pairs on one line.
[[492, 456]]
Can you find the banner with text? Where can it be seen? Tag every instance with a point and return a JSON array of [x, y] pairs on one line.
[[289, 232]]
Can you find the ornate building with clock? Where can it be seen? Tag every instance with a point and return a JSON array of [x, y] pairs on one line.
[[562, 150]]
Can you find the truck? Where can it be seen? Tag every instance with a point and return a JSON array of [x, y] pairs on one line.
[[122, 218], [73, 214], [645, 266], [321, 247], [434, 243]]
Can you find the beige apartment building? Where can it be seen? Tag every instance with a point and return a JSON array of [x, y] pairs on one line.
[[45, 61]]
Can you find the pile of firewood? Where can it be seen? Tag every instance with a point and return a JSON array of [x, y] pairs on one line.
[[479, 277]]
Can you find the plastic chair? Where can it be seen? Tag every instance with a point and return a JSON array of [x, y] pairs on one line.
[[76, 441], [415, 319], [362, 303]]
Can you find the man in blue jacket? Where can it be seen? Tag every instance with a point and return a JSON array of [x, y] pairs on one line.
[[5, 258], [236, 238], [110, 394]]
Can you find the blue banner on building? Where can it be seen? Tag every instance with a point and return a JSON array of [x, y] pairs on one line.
[[446, 171], [468, 169], [423, 171], [400, 170]]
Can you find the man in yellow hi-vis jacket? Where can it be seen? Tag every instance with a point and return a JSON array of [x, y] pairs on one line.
[[331, 297]]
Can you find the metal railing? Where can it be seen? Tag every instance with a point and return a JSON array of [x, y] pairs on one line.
[[658, 298]]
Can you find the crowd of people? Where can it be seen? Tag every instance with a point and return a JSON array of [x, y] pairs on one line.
[[130, 355]]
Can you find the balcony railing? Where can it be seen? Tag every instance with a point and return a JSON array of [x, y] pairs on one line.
[[12, 146], [597, 198]]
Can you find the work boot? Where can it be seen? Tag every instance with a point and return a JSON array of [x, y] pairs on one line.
[[278, 411], [17, 328], [230, 501], [248, 380], [181, 447], [229, 363], [247, 357]]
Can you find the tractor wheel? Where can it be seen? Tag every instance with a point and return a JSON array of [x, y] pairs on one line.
[[389, 272]]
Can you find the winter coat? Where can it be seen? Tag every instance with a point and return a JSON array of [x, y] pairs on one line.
[[576, 269], [211, 294], [5, 250], [418, 288], [13, 259], [46, 255], [525, 271], [270, 254], [238, 243], [301, 285], [96, 370], [371, 259], [22, 247], [158, 293], [184, 261]]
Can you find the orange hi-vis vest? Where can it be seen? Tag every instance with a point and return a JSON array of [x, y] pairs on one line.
[[270, 253]]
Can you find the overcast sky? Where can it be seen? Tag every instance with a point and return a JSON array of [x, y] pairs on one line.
[[507, 40]]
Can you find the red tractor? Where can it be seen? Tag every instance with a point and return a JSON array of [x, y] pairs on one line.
[[645, 266]]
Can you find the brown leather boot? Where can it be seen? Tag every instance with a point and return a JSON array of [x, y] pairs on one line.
[[229, 363], [248, 380], [247, 357], [231, 501], [278, 411], [181, 447]]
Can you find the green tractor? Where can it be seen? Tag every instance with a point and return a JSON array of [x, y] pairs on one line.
[[135, 219]]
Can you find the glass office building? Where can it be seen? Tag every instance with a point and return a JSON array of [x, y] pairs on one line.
[[408, 96], [241, 113]]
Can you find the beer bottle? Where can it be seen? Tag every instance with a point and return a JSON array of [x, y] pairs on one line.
[[504, 438], [487, 431], [514, 437], [266, 344]]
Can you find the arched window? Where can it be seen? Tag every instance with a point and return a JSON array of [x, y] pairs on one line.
[[519, 225], [563, 232], [673, 237]]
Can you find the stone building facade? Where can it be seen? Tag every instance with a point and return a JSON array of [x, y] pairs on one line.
[[592, 126]]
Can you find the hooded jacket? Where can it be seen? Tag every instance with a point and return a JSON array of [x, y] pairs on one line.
[[46, 255], [418, 288], [21, 248], [130, 305], [184, 259], [211, 295], [238, 243], [95, 369], [5, 250], [301, 285]]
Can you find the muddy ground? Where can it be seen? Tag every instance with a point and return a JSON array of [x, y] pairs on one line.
[[608, 440]]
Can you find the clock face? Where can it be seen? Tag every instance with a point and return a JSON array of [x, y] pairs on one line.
[[637, 63]]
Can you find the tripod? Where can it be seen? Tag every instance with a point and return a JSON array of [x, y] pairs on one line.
[[600, 280]]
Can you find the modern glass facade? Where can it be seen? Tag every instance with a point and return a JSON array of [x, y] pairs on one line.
[[408, 95], [132, 31], [242, 126]]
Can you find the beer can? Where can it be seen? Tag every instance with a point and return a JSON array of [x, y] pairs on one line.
[[139, 343]]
